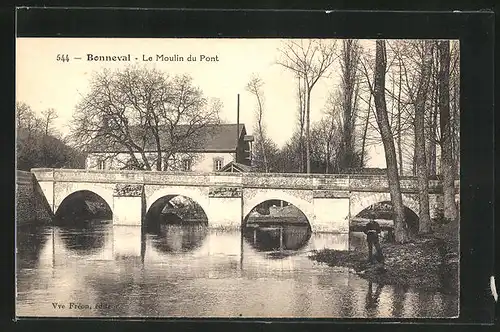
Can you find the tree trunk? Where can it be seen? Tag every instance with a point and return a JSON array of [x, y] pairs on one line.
[[420, 157], [400, 150], [447, 169], [365, 131], [349, 89], [263, 148], [261, 130], [414, 159], [432, 133], [302, 114], [145, 161], [388, 141], [301, 153], [456, 129], [327, 168], [158, 152], [308, 138]]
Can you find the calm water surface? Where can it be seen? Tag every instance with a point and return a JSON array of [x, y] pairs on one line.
[[184, 271]]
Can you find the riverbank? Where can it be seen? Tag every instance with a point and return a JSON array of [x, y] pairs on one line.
[[426, 262]]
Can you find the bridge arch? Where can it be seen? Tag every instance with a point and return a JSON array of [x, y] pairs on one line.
[[361, 200], [303, 205], [191, 192], [64, 190]]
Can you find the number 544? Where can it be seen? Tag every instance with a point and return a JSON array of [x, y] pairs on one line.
[[62, 57]]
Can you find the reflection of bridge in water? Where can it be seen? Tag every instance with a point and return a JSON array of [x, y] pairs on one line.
[[212, 279], [105, 242], [328, 202]]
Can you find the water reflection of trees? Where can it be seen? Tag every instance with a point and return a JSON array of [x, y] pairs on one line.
[[398, 300], [276, 211], [174, 210], [114, 296], [30, 240], [85, 239], [385, 212], [294, 238], [175, 238]]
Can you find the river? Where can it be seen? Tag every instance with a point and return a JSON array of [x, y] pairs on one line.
[[115, 271]]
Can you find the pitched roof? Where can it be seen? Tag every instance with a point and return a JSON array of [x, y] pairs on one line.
[[220, 137], [234, 167], [210, 138]]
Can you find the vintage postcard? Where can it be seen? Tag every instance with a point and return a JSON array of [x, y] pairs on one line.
[[266, 178]]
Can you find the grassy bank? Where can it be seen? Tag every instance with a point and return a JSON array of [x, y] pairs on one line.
[[426, 262]]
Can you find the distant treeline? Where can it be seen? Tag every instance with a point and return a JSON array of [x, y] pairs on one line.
[[37, 144]]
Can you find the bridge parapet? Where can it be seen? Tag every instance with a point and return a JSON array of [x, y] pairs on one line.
[[43, 174], [176, 178], [341, 182], [277, 181], [367, 182], [227, 179]]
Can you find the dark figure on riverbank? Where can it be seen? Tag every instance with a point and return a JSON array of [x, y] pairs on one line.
[[372, 231]]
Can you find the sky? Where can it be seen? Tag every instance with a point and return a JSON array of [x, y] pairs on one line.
[[43, 82]]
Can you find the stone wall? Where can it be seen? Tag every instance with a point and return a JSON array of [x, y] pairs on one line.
[[31, 205]]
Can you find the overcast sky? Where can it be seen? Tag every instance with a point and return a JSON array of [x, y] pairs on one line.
[[43, 82]]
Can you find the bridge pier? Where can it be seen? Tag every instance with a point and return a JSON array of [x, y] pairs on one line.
[[127, 205], [127, 211], [331, 211], [226, 207]]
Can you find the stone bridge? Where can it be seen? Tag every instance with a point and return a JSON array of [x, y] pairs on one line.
[[328, 201]]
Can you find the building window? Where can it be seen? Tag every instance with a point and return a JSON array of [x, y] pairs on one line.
[[218, 164], [186, 164], [101, 164]]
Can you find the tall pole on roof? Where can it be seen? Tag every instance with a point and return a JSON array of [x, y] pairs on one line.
[[237, 126]]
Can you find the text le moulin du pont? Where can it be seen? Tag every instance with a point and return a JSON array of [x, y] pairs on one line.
[[155, 57]]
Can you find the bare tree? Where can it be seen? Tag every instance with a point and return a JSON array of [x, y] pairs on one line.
[[326, 143], [432, 136], [301, 117], [37, 144], [254, 86], [27, 119], [447, 171], [144, 113], [407, 61], [23, 114], [387, 139], [420, 156], [455, 104], [399, 117], [48, 117], [309, 60], [349, 88], [365, 131]]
